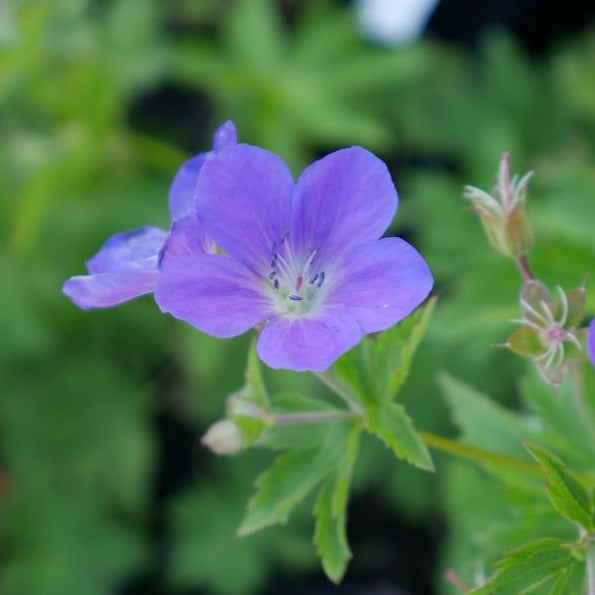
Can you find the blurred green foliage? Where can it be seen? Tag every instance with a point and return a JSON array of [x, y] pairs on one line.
[[80, 393]]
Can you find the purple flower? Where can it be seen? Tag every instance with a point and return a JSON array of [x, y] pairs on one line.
[[127, 265], [592, 340], [304, 260]]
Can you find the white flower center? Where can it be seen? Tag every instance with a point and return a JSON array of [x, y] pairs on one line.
[[294, 280]]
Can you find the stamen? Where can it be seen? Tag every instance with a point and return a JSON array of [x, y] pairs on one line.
[[313, 279], [527, 322], [321, 280], [548, 355], [547, 312], [574, 341], [272, 275], [274, 250], [295, 298], [525, 304], [560, 354], [276, 283], [564, 301], [550, 360]]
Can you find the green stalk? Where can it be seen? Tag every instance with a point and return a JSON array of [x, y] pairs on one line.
[[479, 455], [314, 417], [341, 389], [590, 564]]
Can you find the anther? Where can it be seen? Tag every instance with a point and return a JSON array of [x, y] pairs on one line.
[[321, 280], [313, 279], [276, 283], [295, 298]]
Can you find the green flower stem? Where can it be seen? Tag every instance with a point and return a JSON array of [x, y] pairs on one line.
[[314, 417], [590, 563], [440, 443], [579, 395], [480, 455], [452, 447], [341, 389]]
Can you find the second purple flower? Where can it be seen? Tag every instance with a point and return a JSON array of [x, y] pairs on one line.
[[303, 259]]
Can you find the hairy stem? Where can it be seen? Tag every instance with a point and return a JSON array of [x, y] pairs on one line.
[[480, 455], [579, 396], [523, 263], [314, 417], [341, 389], [590, 564]]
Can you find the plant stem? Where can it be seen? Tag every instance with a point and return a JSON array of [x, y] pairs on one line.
[[314, 417], [590, 564], [525, 268], [480, 455], [580, 398], [341, 389]]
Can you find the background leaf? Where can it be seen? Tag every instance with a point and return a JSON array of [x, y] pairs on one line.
[[393, 426], [568, 496]]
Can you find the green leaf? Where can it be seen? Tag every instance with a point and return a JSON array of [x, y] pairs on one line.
[[292, 477], [567, 429], [545, 562], [377, 368], [482, 421], [330, 513], [393, 426], [394, 349], [568, 496], [330, 535]]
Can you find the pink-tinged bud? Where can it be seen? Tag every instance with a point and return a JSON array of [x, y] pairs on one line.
[[224, 438], [549, 333], [503, 213]]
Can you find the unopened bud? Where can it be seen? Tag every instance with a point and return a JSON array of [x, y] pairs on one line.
[[224, 438], [503, 213]]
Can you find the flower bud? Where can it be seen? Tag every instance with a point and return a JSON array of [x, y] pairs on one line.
[[503, 213], [248, 415], [224, 438]]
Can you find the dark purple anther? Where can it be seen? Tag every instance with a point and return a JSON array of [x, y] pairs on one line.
[[321, 280], [295, 298], [276, 283], [313, 279]]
